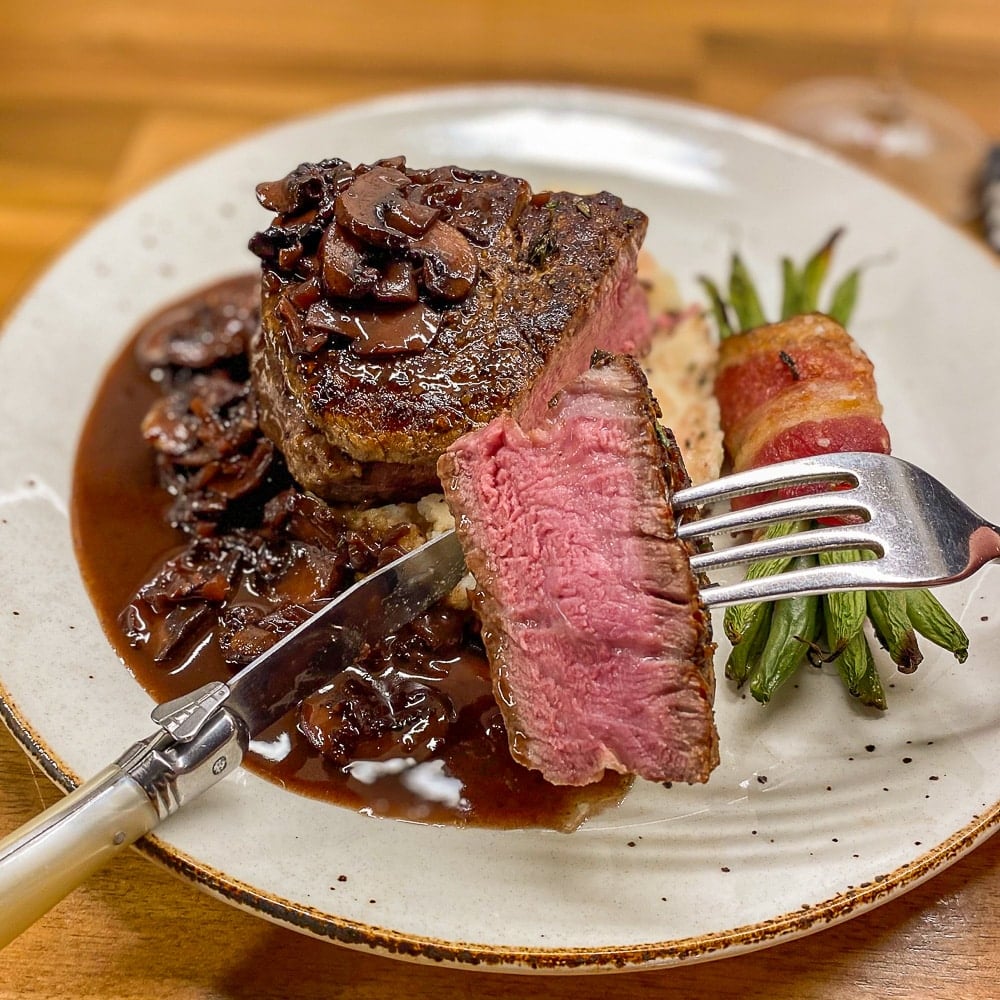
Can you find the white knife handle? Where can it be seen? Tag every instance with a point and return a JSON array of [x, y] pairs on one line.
[[197, 745], [54, 852]]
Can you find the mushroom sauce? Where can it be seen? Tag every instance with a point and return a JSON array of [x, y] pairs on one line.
[[200, 551]]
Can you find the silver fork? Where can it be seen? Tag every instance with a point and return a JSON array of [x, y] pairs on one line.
[[919, 532]]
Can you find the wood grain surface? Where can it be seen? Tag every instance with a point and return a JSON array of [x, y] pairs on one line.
[[100, 97]]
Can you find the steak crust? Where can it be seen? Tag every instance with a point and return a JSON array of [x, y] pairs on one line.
[[600, 647], [552, 278]]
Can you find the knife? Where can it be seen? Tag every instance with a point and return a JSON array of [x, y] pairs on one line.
[[202, 737]]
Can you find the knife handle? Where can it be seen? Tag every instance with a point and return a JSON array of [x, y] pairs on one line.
[[57, 850], [53, 853]]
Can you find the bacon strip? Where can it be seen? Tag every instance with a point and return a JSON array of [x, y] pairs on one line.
[[796, 388]]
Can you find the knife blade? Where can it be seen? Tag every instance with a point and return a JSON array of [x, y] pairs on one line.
[[201, 737]]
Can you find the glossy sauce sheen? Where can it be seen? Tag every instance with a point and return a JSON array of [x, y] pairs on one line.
[[122, 538]]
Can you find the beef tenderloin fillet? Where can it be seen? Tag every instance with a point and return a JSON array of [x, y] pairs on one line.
[[598, 641], [380, 346]]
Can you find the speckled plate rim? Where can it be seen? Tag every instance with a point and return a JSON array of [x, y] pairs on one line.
[[365, 937], [704, 947], [837, 908]]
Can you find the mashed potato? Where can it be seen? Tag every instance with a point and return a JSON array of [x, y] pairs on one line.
[[680, 368]]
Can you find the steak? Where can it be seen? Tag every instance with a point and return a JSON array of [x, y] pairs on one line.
[[402, 308], [599, 645]]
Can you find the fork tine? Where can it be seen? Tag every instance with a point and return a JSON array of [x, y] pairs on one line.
[[816, 468], [790, 509], [800, 543], [921, 533], [800, 582]]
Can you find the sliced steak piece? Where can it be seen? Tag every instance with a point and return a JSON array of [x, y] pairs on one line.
[[402, 308], [599, 644]]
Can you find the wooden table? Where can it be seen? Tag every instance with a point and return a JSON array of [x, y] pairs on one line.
[[99, 97]]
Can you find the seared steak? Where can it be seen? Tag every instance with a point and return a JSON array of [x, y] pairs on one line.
[[599, 644], [402, 308]]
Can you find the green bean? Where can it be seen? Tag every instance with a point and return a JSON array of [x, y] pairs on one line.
[[815, 270], [844, 297], [719, 308], [746, 653], [740, 624], [794, 628], [849, 664], [743, 296], [738, 618], [887, 610], [845, 611], [791, 289], [931, 620], [857, 667], [800, 291]]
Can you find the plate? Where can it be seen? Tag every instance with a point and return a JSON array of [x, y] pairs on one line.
[[818, 811]]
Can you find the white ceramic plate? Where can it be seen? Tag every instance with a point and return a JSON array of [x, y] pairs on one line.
[[818, 811]]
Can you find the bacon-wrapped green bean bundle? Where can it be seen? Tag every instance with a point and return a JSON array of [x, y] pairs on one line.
[[799, 387]]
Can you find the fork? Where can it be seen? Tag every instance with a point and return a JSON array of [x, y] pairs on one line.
[[919, 532]]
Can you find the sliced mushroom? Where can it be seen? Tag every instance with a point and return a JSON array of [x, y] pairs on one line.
[[301, 338], [346, 273], [449, 263], [205, 332], [299, 190], [397, 283], [360, 208], [409, 217], [304, 293], [201, 422], [374, 332]]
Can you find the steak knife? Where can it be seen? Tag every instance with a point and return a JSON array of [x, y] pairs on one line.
[[201, 737]]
